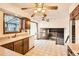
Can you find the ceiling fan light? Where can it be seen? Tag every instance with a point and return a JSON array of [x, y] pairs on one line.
[[39, 9], [35, 11], [43, 11], [40, 3]]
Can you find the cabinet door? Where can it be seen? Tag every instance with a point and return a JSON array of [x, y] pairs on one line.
[[9, 46], [18, 46], [26, 45], [27, 24]]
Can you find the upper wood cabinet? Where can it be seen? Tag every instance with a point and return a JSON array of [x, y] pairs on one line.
[[27, 24]]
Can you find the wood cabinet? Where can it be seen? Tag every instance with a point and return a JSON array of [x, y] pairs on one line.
[[22, 46], [26, 45], [9, 46], [27, 24], [18, 46]]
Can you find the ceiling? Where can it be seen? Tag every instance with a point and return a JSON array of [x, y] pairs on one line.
[[63, 8], [60, 5], [61, 13]]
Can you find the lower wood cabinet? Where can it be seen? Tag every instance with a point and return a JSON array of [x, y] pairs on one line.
[[9, 46], [20, 46], [26, 45]]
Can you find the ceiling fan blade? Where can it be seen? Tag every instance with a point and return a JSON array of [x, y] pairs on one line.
[[27, 8], [52, 7], [24, 8]]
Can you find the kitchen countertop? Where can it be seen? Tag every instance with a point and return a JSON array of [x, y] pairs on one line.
[[5, 41], [7, 52], [74, 48]]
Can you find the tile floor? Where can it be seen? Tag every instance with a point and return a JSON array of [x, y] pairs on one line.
[[47, 48]]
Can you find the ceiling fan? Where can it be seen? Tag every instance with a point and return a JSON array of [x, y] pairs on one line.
[[40, 8]]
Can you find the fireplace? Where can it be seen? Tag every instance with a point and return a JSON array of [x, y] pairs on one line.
[[56, 34]]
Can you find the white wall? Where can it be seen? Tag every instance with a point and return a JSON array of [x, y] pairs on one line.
[[70, 31], [12, 9], [77, 31], [58, 23], [57, 19]]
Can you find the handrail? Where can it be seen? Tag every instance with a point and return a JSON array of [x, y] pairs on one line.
[[67, 39]]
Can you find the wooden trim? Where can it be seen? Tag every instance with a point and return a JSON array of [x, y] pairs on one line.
[[74, 13], [4, 25], [70, 51]]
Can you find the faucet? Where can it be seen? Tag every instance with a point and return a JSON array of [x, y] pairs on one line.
[[14, 35]]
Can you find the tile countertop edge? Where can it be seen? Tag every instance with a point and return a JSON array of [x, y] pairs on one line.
[[74, 48], [5, 41]]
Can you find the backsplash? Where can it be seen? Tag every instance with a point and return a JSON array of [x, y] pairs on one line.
[[8, 36]]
